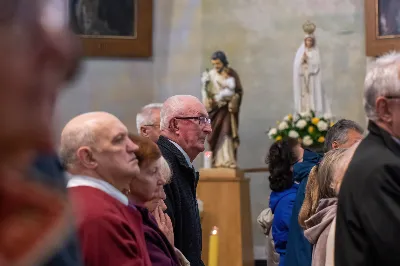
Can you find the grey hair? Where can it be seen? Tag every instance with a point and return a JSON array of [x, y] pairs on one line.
[[145, 117], [382, 79], [339, 132], [174, 106], [72, 140]]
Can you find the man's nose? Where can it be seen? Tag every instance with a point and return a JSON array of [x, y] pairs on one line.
[[207, 128]]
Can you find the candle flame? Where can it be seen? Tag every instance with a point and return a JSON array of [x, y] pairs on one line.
[[208, 154], [214, 231]]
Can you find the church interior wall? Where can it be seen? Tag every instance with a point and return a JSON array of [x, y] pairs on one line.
[[260, 38]]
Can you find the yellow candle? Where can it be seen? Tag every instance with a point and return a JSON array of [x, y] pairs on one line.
[[213, 248]]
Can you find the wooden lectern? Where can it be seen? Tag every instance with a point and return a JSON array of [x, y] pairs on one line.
[[226, 197]]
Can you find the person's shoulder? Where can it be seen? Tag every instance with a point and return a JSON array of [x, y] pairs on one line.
[[110, 219], [289, 198], [370, 158], [93, 203]]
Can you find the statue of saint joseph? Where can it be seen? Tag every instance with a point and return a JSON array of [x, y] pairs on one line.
[[222, 95]]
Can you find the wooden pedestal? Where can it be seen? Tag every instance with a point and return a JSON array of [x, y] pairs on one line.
[[226, 197]]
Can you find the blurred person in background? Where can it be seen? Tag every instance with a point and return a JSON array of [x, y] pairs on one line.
[[39, 55]]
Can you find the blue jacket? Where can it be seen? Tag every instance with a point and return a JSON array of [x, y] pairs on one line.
[[281, 204], [299, 250]]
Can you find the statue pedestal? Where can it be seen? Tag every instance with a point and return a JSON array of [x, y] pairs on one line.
[[226, 197]]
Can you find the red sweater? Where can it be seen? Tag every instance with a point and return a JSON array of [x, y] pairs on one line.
[[111, 234]]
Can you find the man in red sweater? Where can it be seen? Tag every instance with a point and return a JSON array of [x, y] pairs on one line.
[[101, 161]]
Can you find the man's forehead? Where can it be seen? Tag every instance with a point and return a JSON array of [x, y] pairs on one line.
[[111, 127], [156, 112], [196, 109]]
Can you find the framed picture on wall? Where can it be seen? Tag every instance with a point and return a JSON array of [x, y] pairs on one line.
[[382, 25], [113, 28]]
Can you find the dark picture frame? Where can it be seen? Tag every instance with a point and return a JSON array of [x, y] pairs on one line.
[[382, 36], [113, 28]]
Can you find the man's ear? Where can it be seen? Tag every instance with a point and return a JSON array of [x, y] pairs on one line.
[[85, 156], [335, 145], [383, 109], [173, 125], [144, 132]]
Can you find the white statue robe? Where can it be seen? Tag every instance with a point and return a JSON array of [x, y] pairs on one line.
[[308, 91]]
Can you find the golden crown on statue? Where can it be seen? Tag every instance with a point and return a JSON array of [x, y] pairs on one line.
[[309, 27]]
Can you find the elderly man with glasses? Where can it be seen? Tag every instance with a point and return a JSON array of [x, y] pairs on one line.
[[368, 214], [184, 128]]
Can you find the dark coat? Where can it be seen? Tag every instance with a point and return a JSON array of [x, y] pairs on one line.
[[299, 250], [368, 215], [182, 203], [48, 170]]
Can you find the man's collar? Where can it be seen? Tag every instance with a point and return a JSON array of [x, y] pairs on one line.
[[390, 141], [78, 181], [183, 152]]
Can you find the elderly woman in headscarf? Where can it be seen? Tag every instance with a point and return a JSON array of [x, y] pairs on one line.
[[318, 212], [147, 195]]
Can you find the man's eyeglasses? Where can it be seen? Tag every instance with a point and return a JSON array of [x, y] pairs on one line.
[[392, 97], [202, 120], [151, 125]]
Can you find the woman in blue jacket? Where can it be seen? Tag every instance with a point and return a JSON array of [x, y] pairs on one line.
[[281, 158]]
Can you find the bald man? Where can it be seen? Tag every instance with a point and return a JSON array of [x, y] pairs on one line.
[[97, 152], [184, 128]]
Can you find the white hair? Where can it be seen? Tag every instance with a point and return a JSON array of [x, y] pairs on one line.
[[175, 106], [72, 140], [165, 170], [382, 79], [145, 117]]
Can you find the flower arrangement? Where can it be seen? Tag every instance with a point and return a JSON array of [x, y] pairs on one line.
[[307, 127]]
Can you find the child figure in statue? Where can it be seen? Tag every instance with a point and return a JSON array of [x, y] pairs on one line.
[[222, 93]]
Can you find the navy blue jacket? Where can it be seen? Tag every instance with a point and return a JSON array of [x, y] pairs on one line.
[[299, 250]]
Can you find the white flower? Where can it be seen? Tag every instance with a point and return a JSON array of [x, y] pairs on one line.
[[283, 125], [272, 132], [286, 118], [307, 140], [327, 116], [322, 126], [306, 114], [293, 134], [301, 124]]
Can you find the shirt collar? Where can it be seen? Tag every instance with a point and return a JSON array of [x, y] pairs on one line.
[[78, 181], [183, 152]]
